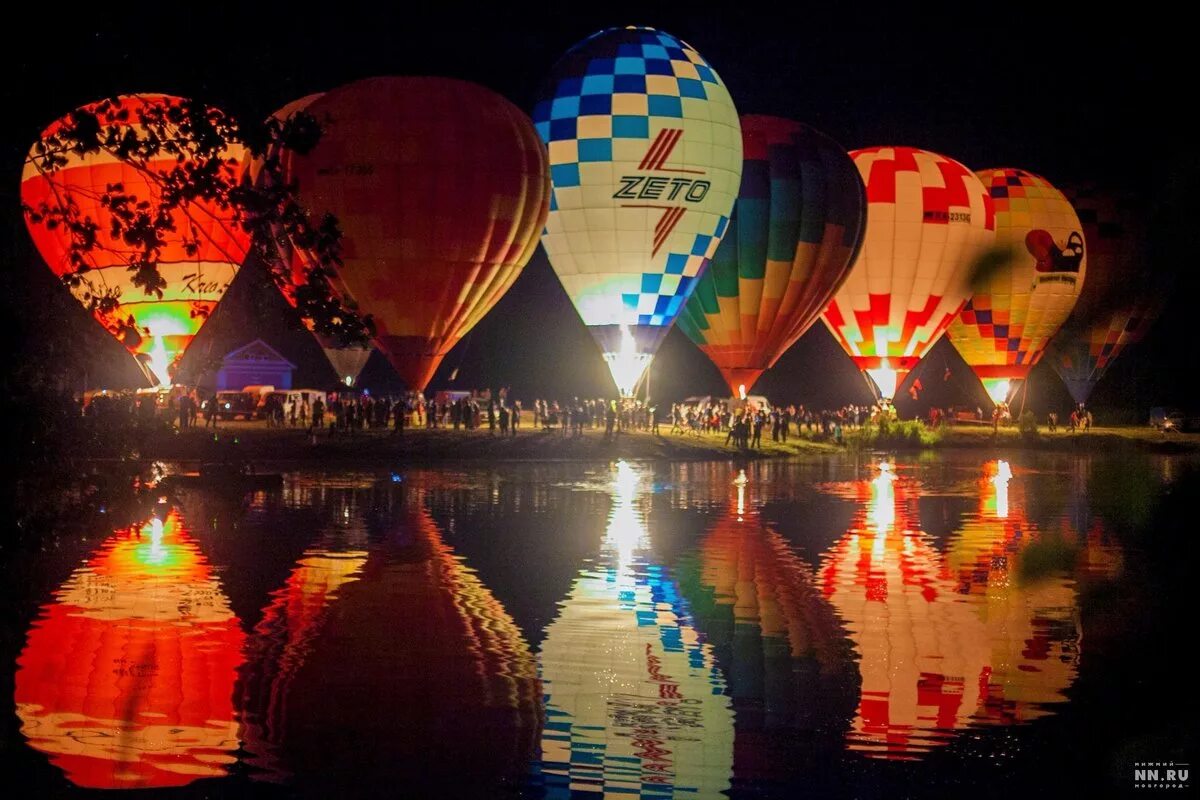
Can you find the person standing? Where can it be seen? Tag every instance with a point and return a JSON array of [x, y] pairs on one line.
[[400, 416], [516, 416], [318, 414], [210, 412]]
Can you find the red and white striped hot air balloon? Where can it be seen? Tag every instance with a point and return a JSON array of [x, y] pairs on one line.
[[928, 219]]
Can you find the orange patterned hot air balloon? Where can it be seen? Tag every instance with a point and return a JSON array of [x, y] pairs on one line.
[[441, 189], [795, 230], [198, 259], [1016, 307], [928, 219]]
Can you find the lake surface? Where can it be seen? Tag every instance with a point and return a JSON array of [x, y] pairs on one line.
[[950, 625]]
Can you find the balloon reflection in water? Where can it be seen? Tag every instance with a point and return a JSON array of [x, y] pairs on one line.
[[789, 666], [126, 680], [404, 654], [952, 641], [634, 699]]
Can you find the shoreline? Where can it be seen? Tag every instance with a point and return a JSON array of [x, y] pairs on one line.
[[253, 442]]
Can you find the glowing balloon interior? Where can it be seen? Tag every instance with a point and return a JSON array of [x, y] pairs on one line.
[[645, 158], [199, 257], [928, 219]]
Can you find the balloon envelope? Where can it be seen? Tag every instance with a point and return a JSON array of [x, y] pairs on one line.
[[645, 158], [795, 230], [1019, 304], [347, 360], [198, 260], [1121, 298], [440, 189], [928, 219]]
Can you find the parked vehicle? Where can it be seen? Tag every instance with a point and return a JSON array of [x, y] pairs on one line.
[[1166, 420], [289, 397], [237, 405]]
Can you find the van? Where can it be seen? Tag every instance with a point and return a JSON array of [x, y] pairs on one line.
[[236, 405], [289, 397]]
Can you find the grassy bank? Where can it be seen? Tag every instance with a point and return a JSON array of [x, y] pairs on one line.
[[256, 443]]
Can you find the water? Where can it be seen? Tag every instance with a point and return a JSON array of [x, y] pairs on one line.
[[933, 626]]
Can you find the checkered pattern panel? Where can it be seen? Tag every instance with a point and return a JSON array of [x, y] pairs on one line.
[[928, 219], [645, 160], [1005, 326]]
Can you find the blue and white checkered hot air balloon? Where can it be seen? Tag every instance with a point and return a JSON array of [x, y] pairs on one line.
[[646, 159]]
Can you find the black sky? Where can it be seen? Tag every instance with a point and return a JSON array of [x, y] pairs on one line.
[[1073, 95]]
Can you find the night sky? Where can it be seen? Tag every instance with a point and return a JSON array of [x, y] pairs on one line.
[[1072, 98]]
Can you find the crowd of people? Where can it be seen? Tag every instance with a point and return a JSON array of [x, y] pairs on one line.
[[344, 413], [745, 423]]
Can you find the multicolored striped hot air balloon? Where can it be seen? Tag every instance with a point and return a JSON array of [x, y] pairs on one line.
[[1121, 298], [795, 230], [1018, 304], [928, 219], [440, 188], [645, 159], [197, 260]]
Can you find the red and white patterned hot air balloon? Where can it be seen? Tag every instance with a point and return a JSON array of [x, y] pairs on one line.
[[928, 219]]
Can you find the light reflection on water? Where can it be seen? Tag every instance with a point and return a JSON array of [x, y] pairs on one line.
[[708, 628], [634, 698], [126, 679]]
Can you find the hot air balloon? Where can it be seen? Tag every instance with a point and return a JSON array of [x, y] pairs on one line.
[[126, 680], [198, 259], [1017, 305], [440, 188], [928, 219], [645, 159], [634, 697], [347, 360], [1121, 298], [795, 230]]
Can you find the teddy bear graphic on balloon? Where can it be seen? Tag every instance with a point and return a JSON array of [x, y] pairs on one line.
[[1054, 263]]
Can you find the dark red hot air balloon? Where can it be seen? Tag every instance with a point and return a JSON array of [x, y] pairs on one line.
[[441, 189]]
